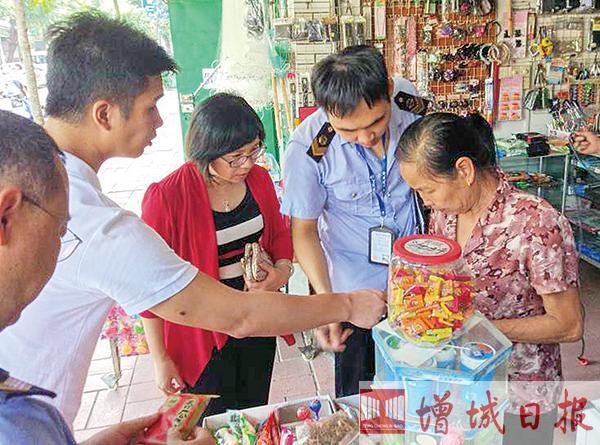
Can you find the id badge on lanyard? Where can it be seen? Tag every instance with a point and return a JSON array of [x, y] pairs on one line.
[[381, 238]]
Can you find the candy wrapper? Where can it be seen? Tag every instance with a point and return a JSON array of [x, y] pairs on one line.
[[269, 433], [287, 436], [350, 411], [179, 411], [338, 429], [127, 330], [224, 436], [242, 429], [429, 306]]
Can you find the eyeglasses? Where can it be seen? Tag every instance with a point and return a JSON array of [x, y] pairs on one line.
[[238, 161], [69, 241]]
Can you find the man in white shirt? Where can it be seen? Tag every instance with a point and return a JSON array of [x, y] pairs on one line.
[[103, 85], [33, 218]]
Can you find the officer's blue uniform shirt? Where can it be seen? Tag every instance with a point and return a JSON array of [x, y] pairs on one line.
[[28, 420], [336, 190]]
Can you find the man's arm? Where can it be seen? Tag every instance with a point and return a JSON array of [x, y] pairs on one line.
[[209, 304], [310, 255]]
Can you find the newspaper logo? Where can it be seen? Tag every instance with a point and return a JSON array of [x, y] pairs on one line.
[[382, 411]]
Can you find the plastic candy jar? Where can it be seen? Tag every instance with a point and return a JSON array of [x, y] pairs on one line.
[[429, 295]]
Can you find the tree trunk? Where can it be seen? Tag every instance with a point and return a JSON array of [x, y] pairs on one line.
[[117, 9], [25, 50]]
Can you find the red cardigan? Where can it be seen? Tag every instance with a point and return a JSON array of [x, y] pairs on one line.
[[178, 209]]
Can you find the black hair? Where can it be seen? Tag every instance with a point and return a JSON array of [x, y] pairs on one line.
[[341, 81], [92, 57], [438, 140], [28, 157], [220, 125]]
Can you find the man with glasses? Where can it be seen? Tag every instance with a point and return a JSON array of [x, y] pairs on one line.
[[104, 80], [69, 241], [33, 218]]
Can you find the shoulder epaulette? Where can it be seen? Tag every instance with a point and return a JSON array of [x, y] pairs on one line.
[[411, 103], [320, 143], [16, 388]]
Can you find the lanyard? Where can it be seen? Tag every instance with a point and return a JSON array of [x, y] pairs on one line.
[[373, 178]]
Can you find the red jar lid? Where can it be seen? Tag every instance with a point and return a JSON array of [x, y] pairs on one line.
[[427, 249]]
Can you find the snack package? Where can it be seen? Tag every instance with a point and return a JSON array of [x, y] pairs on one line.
[[269, 433], [180, 411], [287, 436], [224, 436], [338, 429], [242, 428]]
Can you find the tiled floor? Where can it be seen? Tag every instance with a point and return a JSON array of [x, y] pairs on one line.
[[125, 180]]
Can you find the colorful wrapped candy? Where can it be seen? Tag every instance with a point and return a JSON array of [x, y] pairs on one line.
[[429, 295], [127, 330]]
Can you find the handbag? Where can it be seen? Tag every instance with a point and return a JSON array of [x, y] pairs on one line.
[[254, 255]]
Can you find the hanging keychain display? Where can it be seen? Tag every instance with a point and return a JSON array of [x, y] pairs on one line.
[[538, 98], [379, 19]]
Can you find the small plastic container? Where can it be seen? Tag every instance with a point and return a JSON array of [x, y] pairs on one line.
[[473, 356], [430, 296]]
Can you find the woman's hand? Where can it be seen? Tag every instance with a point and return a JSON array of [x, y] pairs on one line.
[[168, 379], [277, 277]]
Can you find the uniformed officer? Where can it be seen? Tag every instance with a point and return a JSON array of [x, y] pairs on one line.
[[344, 193]]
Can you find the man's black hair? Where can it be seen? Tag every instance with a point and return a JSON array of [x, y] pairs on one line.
[[28, 157], [341, 81], [93, 57]]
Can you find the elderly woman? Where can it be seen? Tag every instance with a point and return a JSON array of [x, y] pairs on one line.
[[519, 249]]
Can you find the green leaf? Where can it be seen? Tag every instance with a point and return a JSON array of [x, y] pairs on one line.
[[45, 5]]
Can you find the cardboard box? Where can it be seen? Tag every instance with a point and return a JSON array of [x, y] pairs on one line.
[[287, 412]]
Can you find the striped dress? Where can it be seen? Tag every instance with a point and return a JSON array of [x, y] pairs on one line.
[[235, 229]]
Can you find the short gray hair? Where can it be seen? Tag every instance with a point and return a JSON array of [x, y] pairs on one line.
[[27, 156]]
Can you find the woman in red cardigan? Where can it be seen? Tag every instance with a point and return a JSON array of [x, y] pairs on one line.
[[207, 211]]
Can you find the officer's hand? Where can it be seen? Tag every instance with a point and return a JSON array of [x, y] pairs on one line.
[[587, 142], [367, 307], [332, 338]]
